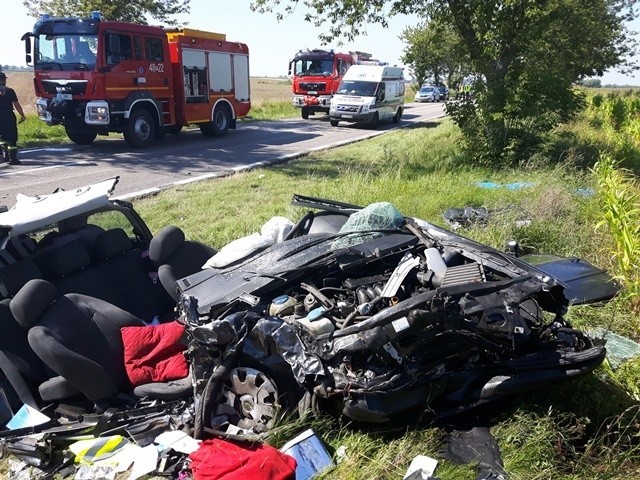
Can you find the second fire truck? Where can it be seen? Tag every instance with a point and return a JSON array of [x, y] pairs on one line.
[[316, 75]]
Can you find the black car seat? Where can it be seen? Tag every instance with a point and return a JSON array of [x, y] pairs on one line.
[[128, 272], [79, 337], [21, 368], [176, 257]]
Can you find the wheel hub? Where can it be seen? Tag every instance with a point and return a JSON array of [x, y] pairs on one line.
[[248, 401]]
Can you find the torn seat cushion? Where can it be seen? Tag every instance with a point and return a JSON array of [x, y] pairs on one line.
[[154, 353]]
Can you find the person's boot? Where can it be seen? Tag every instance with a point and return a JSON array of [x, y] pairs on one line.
[[5, 152], [13, 156]]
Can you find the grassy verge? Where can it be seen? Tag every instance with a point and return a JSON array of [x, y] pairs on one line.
[[34, 132], [585, 429], [273, 110]]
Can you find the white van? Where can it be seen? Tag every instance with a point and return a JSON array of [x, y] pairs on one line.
[[368, 94]]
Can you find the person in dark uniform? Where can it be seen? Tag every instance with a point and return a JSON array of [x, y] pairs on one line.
[[8, 127]]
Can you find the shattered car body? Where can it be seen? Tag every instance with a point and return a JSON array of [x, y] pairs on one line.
[[360, 310], [394, 317]]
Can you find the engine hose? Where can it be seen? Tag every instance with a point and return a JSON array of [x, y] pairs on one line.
[[211, 390], [324, 300], [349, 319]]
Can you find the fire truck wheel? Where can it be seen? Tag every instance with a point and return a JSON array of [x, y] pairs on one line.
[[304, 111], [81, 137], [220, 124], [334, 123], [140, 130]]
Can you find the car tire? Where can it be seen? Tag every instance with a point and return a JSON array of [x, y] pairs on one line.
[[375, 121], [304, 112], [140, 129], [80, 137], [219, 126], [334, 123], [396, 117], [246, 397]]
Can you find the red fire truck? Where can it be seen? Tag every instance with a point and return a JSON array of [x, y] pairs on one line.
[[95, 76], [316, 76]]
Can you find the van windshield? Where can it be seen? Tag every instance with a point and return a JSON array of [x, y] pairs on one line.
[[353, 87]]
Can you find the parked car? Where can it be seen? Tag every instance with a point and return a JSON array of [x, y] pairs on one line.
[[427, 93], [444, 92]]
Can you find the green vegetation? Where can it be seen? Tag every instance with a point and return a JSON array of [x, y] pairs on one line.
[[585, 429], [34, 131], [122, 10], [619, 200], [272, 110], [521, 58]]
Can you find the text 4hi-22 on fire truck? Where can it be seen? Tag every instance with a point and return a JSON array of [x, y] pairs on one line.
[[317, 75], [96, 76]]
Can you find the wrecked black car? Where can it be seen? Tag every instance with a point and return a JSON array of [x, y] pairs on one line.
[[356, 309], [378, 316]]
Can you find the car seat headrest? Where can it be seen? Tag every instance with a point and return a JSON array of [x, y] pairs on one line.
[[15, 275], [111, 243], [165, 243], [65, 259], [32, 300]]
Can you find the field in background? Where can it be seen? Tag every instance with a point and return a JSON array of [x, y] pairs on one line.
[[262, 89]]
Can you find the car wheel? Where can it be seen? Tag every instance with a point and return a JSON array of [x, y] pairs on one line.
[[375, 120], [304, 111], [140, 129], [334, 123], [80, 137], [245, 402], [396, 117]]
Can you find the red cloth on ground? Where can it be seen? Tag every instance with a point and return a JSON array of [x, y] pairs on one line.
[[154, 353], [222, 460]]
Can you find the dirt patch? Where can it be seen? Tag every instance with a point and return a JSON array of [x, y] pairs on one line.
[[262, 89], [22, 83]]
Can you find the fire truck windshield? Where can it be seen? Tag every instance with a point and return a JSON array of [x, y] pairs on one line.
[[364, 89], [313, 67], [66, 51]]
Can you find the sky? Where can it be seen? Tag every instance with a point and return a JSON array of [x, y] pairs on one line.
[[271, 43]]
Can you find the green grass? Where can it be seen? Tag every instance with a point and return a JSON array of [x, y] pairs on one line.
[[33, 132], [273, 110], [585, 429], [589, 428]]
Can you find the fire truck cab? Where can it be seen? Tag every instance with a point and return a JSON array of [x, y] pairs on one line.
[[95, 76], [316, 76]]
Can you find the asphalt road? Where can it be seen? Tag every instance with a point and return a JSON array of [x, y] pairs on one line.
[[184, 158]]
